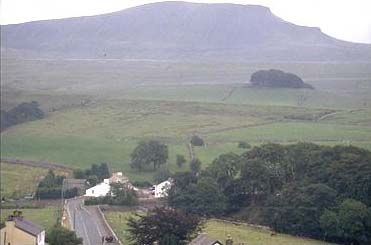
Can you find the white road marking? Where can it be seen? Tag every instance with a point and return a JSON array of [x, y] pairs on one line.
[[85, 231], [96, 225]]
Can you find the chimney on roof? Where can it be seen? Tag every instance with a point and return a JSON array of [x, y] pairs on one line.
[[17, 213], [229, 240]]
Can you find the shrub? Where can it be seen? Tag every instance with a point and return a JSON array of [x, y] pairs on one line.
[[197, 140], [244, 145]]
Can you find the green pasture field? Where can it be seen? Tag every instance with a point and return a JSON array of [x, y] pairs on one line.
[[98, 110], [108, 131], [90, 75], [218, 230], [44, 217], [18, 180]]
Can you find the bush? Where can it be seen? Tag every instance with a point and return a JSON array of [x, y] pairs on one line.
[[142, 184], [120, 197], [161, 175], [197, 140], [195, 166], [180, 160], [59, 235], [244, 145]]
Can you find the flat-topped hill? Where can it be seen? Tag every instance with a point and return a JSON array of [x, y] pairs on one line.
[[181, 30]]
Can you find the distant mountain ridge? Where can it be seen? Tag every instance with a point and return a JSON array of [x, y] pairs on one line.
[[177, 30]]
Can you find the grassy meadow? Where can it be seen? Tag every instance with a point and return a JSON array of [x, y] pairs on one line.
[[43, 217], [219, 230], [18, 181], [98, 110]]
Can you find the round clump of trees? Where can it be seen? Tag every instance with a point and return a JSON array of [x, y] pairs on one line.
[[277, 79]]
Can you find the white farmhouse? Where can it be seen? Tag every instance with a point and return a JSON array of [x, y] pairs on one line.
[[162, 188], [100, 190]]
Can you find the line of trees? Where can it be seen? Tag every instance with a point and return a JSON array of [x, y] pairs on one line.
[[94, 174], [303, 189], [21, 113], [50, 187]]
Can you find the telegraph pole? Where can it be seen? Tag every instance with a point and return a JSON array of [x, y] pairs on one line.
[[74, 218], [62, 198]]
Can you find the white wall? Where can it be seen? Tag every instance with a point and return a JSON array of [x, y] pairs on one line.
[[99, 190], [162, 189], [41, 238]]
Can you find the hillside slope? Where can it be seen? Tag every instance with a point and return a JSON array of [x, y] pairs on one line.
[[176, 30]]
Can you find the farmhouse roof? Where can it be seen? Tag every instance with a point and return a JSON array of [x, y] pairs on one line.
[[203, 239], [27, 226], [79, 183]]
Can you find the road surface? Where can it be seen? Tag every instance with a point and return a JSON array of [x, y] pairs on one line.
[[87, 222]]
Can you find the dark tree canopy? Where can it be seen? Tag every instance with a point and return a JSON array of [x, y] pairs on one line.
[[21, 113], [298, 189], [197, 140], [180, 160], [94, 174], [202, 198], [195, 165], [350, 221], [149, 153], [277, 79], [59, 235], [167, 226]]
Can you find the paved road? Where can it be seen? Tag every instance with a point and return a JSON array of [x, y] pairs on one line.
[[87, 222]]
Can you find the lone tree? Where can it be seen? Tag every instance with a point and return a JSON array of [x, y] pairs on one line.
[[277, 79], [147, 153], [180, 160], [197, 140], [165, 225]]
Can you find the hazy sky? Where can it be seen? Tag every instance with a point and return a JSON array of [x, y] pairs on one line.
[[344, 19]]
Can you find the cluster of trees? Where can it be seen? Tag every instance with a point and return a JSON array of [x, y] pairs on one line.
[[50, 187], [277, 79], [21, 113], [302, 189], [153, 153], [94, 175], [149, 153], [119, 196], [163, 225]]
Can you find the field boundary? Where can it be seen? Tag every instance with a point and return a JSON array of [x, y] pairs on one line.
[[234, 222], [39, 164], [107, 224]]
